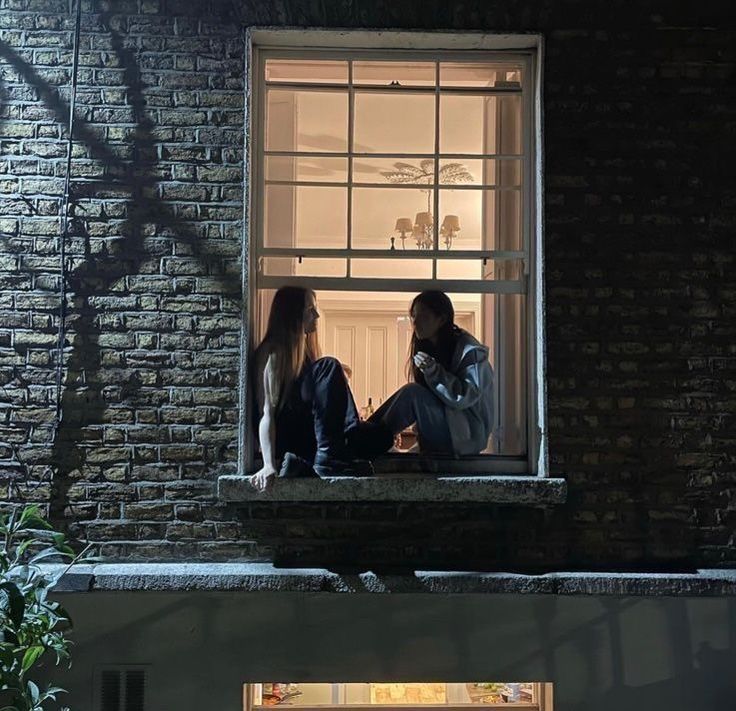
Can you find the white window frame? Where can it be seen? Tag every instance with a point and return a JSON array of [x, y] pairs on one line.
[[357, 44]]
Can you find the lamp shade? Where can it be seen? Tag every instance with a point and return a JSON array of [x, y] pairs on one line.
[[451, 223], [403, 224], [423, 219]]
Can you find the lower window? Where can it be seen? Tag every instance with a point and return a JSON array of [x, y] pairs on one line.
[[535, 696], [370, 333]]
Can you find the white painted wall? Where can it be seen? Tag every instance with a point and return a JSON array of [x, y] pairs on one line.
[[603, 654]]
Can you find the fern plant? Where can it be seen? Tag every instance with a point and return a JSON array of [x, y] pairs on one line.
[[33, 628]]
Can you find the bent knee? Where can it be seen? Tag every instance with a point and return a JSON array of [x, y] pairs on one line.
[[415, 391], [326, 364]]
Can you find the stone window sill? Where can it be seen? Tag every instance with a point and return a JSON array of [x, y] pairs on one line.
[[263, 577], [491, 489]]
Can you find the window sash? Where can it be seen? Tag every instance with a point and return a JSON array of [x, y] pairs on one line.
[[350, 88], [528, 217]]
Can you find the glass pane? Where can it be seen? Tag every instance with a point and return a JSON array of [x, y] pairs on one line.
[[480, 74], [504, 332], [397, 171], [305, 216], [391, 268], [505, 172], [306, 120], [307, 266], [394, 73], [480, 124], [393, 123], [307, 71], [306, 169], [453, 694], [383, 214], [481, 219], [460, 269], [493, 270], [370, 332]]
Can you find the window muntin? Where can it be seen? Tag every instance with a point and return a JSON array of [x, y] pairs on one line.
[[336, 181]]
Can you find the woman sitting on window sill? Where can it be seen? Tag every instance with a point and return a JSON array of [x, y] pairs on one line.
[[309, 423], [450, 401]]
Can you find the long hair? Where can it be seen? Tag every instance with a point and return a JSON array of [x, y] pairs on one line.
[[439, 304], [285, 337]]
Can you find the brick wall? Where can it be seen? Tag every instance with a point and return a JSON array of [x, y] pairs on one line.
[[640, 208]]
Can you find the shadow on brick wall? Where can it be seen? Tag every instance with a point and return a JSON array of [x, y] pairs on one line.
[[83, 401]]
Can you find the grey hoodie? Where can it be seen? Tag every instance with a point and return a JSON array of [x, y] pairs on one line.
[[467, 392]]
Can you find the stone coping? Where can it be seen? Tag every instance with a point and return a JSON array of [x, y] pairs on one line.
[[507, 489], [264, 577]]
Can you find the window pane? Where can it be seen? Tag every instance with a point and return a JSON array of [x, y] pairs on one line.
[[405, 171], [492, 270], [487, 219], [398, 171], [306, 120], [307, 71], [480, 74], [391, 268], [453, 694], [305, 216], [403, 73], [301, 169], [480, 124], [378, 212], [505, 172], [393, 123], [371, 332], [504, 332], [307, 266]]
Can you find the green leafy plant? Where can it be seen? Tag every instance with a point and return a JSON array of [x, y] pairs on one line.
[[33, 628]]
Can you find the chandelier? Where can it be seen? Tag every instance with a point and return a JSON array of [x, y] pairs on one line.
[[421, 229]]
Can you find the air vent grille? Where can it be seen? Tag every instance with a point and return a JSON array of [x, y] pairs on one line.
[[121, 688]]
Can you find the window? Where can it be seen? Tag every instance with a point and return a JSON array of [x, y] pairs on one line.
[[378, 174], [534, 696]]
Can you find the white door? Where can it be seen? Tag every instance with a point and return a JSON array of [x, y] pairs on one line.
[[369, 344]]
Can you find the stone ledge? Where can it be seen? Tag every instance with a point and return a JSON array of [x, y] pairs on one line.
[[520, 490], [263, 577]]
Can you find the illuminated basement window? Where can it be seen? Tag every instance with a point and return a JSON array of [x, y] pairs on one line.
[[377, 178], [535, 696]]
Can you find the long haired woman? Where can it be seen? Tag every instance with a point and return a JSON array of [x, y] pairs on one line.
[[450, 398], [308, 416]]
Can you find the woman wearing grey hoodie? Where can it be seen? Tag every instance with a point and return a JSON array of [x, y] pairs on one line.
[[450, 400]]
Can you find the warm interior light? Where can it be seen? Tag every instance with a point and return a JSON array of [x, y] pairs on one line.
[[450, 696], [403, 224], [423, 219], [451, 223]]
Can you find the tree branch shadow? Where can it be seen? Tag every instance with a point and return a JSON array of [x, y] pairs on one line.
[[83, 401]]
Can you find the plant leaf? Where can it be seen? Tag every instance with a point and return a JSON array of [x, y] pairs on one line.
[[36, 523], [31, 656], [46, 553], [29, 512], [11, 600], [33, 690]]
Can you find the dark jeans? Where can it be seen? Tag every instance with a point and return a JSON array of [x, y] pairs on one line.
[[414, 404], [319, 420]]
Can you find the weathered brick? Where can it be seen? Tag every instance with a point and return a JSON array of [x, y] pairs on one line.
[[638, 211]]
